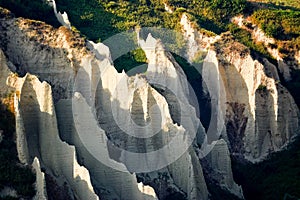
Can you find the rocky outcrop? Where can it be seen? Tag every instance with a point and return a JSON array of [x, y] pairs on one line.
[[262, 116], [41, 190], [110, 179], [198, 41], [35, 104], [55, 51], [247, 92], [5, 72], [111, 90], [164, 73], [284, 65], [218, 166], [61, 17], [141, 123], [102, 134]]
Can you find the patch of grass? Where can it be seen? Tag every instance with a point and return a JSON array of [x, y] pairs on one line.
[[215, 10], [99, 20], [245, 38], [262, 87], [90, 18], [103, 19], [130, 60], [280, 24]]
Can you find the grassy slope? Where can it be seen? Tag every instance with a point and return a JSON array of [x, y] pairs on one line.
[[99, 20], [288, 3]]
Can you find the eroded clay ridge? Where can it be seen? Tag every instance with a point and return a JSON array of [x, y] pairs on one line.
[[261, 116]]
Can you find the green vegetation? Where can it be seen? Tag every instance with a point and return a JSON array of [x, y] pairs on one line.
[[288, 3], [216, 10], [245, 38], [12, 173], [32, 9], [110, 17], [211, 15], [99, 20], [280, 24], [102, 19], [130, 60], [262, 87], [89, 17], [273, 178]]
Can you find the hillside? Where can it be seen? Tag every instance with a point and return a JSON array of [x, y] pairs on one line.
[[86, 110], [286, 3]]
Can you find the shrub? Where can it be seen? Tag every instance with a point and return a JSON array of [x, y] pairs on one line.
[[280, 24], [245, 38], [262, 87]]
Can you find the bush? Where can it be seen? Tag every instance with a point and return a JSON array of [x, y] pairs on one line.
[[262, 87], [130, 60], [280, 24], [245, 38]]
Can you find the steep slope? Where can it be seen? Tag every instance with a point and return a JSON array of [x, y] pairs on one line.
[[261, 115], [268, 116], [110, 125], [165, 74], [29, 55], [287, 62], [34, 104]]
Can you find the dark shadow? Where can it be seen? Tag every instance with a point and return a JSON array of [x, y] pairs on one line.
[[54, 190], [281, 168], [12, 172], [194, 77], [294, 86], [30, 113], [264, 119]]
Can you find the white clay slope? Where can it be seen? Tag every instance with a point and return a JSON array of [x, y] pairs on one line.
[[118, 93], [164, 72], [35, 105], [253, 92]]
